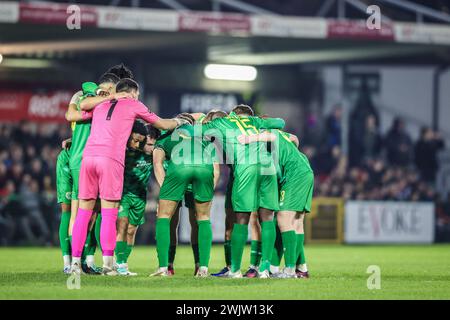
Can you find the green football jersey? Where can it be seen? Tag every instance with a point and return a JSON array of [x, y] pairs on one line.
[[82, 129], [227, 129], [63, 160], [64, 179], [186, 146], [80, 134], [138, 169], [285, 153]]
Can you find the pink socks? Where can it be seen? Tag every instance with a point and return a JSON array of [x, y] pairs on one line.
[[79, 232], [108, 231]]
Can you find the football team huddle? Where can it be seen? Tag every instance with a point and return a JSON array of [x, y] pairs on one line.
[[103, 173]]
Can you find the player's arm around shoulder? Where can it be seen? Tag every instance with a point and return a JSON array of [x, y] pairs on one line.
[[90, 102], [159, 155], [145, 114], [72, 114], [75, 115], [265, 136], [271, 123]]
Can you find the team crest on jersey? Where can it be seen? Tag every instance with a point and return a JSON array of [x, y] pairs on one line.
[[142, 163], [68, 195]]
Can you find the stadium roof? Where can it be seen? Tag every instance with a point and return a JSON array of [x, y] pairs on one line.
[[38, 34], [398, 10]]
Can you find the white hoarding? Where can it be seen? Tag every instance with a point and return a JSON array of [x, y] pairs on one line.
[[389, 222], [9, 12], [217, 222]]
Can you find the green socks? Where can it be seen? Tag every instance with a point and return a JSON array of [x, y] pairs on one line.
[[195, 251], [300, 249], [290, 248], [64, 234], [268, 236], [227, 249], [121, 247], [238, 240], [204, 242], [163, 240], [278, 250], [255, 253], [92, 239], [128, 251], [172, 252]]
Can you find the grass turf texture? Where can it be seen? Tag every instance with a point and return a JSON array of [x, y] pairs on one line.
[[337, 272]]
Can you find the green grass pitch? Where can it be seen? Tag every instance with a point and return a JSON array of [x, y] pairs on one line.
[[337, 272]]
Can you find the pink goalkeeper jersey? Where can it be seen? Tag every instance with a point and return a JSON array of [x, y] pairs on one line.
[[111, 127]]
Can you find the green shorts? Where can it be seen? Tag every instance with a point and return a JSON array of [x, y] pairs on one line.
[[178, 177], [133, 208], [254, 187], [296, 190], [63, 178], [75, 179]]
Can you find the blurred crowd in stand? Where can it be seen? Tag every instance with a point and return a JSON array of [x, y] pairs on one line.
[[389, 166], [28, 209], [379, 166]]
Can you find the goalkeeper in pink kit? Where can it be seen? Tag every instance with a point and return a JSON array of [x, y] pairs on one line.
[[102, 166]]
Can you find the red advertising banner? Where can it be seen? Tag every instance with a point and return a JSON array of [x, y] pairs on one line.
[[357, 29], [55, 14], [40, 107], [214, 22]]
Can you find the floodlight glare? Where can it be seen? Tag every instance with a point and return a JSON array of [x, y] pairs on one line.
[[230, 72]]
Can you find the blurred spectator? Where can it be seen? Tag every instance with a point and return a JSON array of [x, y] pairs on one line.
[[29, 214], [313, 135], [328, 159], [399, 146], [33, 223], [371, 139], [333, 127], [28, 209], [425, 153], [9, 205], [368, 144], [374, 181], [3, 178], [358, 123], [443, 219]]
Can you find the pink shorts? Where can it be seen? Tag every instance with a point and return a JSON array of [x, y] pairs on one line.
[[100, 175]]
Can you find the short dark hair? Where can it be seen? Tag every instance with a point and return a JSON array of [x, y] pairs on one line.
[[219, 114], [243, 109], [108, 78], [153, 132], [186, 116], [121, 71], [139, 127], [127, 85]]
